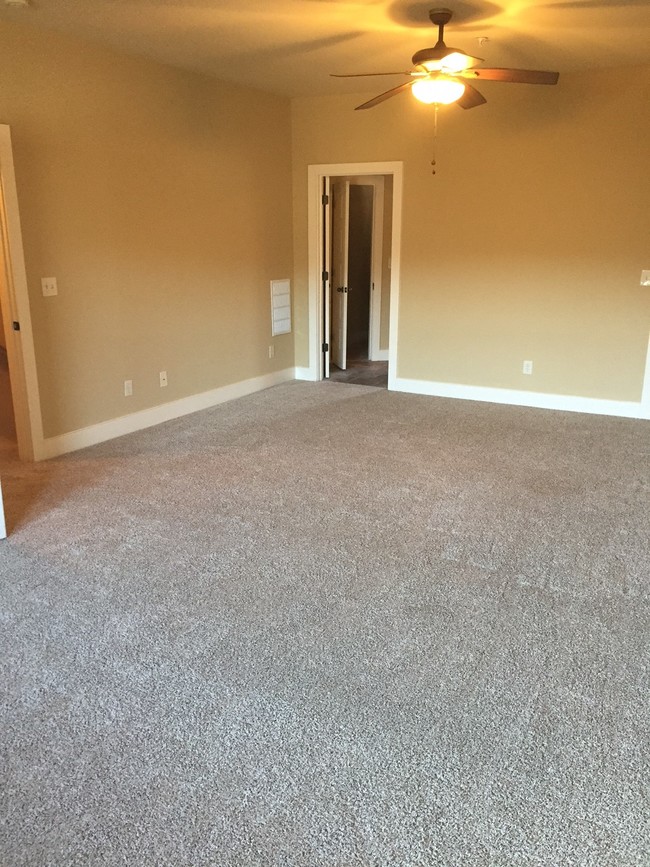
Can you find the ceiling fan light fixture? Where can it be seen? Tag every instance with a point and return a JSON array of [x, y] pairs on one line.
[[438, 72], [440, 90]]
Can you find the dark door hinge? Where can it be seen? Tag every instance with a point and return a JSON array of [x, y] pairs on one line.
[[15, 326], [325, 200], [325, 276], [326, 347]]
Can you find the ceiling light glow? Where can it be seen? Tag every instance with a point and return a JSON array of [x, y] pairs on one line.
[[440, 90]]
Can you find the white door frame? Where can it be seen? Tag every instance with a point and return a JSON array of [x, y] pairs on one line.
[[14, 297], [316, 176]]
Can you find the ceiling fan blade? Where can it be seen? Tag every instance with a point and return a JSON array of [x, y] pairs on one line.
[[471, 98], [364, 74], [516, 76], [382, 96]]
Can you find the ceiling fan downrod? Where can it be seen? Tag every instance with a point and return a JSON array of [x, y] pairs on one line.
[[440, 17]]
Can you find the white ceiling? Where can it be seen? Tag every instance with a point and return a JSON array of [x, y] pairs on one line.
[[289, 47]]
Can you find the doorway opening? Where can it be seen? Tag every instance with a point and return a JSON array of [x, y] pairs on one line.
[[354, 245], [360, 230]]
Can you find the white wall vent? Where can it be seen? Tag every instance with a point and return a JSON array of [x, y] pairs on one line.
[[280, 307]]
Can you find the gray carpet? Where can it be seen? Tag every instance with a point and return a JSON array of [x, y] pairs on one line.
[[330, 625]]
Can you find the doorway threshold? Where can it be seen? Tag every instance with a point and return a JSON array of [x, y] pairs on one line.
[[362, 372]]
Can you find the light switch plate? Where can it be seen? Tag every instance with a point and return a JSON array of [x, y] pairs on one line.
[[48, 284]]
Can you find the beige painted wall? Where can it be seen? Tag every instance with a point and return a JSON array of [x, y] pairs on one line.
[[158, 198], [529, 241]]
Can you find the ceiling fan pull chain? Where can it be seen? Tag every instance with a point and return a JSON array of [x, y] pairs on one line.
[[435, 137]]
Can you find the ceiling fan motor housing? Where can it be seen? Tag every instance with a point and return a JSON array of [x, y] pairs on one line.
[[440, 17], [436, 54]]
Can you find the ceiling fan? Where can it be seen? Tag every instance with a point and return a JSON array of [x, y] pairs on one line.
[[441, 75]]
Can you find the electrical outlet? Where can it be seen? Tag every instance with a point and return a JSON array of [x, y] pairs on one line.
[[527, 367], [645, 278], [271, 351], [163, 378], [49, 287], [128, 387]]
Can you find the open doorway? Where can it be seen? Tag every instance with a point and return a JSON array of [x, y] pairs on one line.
[[354, 245], [360, 233], [359, 273], [358, 229]]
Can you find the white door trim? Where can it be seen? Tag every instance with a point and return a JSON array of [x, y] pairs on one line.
[[316, 174], [15, 302]]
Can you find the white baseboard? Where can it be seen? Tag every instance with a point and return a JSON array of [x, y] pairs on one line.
[[380, 355], [566, 403], [107, 430], [117, 427], [305, 373]]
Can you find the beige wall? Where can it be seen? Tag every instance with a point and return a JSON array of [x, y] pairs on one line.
[[158, 198], [529, 241]]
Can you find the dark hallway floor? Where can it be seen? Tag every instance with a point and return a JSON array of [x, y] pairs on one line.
[[360, 371]]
